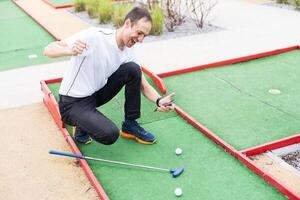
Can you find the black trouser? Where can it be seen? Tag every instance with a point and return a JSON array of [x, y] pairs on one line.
[[82, 112]]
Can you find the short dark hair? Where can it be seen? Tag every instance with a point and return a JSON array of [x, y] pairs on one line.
[[138, 13]]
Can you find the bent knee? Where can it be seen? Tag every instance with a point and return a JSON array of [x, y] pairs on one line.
[[134, 69], [108, 138]]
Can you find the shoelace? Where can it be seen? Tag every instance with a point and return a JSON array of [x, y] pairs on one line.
[[140, 129]]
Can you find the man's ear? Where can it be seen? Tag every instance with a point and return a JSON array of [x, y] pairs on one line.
[[127, 23]]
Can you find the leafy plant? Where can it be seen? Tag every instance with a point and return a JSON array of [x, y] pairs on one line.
[[120, 11], [282, 1], [152, 4], [105, 11], [297, 4], [92, 7], [200, 10], [173, 14], [79, 5], [157, 21]]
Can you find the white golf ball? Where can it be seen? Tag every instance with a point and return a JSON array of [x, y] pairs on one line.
[[178, 192], [178, 151]]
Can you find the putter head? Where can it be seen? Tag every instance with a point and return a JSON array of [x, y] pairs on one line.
[[176, 171]]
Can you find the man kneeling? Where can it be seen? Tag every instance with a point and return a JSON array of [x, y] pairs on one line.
[[102, 62]]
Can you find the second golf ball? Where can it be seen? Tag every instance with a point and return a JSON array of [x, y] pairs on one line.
[[178, 192], [178, 151]]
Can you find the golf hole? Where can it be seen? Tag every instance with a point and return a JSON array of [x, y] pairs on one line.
[[274, 91], [32, 56]]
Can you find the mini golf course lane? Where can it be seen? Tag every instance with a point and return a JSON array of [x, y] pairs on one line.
[[61, 2], [210, 173], [234, 102], [22, 40]]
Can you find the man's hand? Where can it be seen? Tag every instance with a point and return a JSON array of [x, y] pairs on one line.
[[166, 103], [60, 48], [78, 48]]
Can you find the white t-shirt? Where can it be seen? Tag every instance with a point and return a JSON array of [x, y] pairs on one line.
[[89, 72]]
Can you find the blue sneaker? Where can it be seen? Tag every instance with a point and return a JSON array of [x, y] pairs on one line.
[[80, 136], [133, 130]]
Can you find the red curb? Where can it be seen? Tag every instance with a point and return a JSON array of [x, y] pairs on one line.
[[52, 106], [156, 79], [57, 6], [272, 145], [227, 62]]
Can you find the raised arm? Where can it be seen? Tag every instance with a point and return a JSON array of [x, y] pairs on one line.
[[60, 49]]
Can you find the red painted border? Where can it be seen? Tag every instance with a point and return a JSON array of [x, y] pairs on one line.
[[57, 6], [156, 79], [52, 106], [52, 34], [205, 131], [55, 80], [272, 145], [227, 62], [241, 157]]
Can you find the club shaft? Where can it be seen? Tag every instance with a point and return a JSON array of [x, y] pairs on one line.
[[127, 164]]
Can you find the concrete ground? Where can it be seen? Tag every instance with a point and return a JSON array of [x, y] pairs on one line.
[[278, 170], [247, 28], [27, 171]]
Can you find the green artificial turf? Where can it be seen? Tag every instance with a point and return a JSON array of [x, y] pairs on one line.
[[210, 172], [234, 102], [61, 2], [20, 37]]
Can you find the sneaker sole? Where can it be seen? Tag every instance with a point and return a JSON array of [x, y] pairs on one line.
[[73, 134], [73, 131], [88, 142], [130, 136]]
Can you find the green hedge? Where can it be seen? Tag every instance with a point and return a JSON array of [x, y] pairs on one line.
[[158, 21], [92, 8], [120, 11], [109, 11], [105, 11], [282, 1], [79, 5], [297, 4]]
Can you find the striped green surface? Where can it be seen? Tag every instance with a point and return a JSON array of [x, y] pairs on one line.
[[21, 39], [61, 2], [210, 173], [234, 101]]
